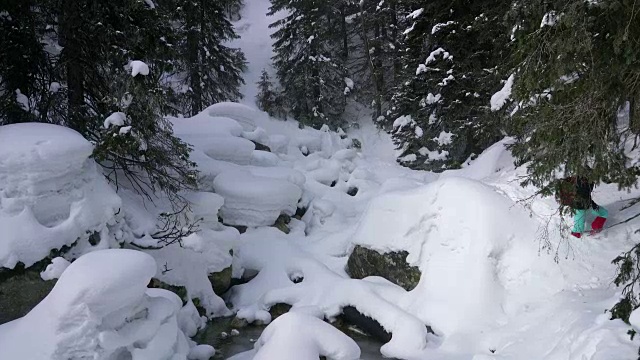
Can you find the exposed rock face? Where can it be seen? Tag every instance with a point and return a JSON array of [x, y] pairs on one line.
[[20, 291], [221, 281], [366, 324], [392, 266]]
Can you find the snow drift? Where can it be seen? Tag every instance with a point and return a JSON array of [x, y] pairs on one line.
[[101, 308], [51, 192], [476, 250]]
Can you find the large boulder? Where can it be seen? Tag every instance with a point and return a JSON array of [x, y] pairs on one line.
[[392, 266], [20, 291]]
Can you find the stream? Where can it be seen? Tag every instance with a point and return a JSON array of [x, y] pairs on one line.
[[232, 345]]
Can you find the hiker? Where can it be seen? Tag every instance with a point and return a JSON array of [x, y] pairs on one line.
[[575, 192]]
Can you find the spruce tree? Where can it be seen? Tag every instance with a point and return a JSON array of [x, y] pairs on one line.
[[440, 113], [308, 60], [576, 98], [267, 97], [29, 85], [577, 65], [211, 70]]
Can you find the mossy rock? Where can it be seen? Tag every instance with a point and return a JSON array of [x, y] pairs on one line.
[[21, 290], [392, 266], [221, 281], [181, 291], [279, 309], [282, 223]]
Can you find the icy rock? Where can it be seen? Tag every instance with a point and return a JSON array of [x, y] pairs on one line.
[[390, 265], [100, 308], [251, 200], [52, 193]]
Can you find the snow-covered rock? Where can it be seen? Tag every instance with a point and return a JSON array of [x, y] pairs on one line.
[[51, 193], [243, 114], [297, 336], [100, 309], [474, 245], [251, 200], [55, 269]]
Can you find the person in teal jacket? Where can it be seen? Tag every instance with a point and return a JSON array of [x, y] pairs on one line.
[[583, 202]]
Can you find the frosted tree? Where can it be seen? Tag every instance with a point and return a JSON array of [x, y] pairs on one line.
[[308, 62], [440, 113], [211, 70]]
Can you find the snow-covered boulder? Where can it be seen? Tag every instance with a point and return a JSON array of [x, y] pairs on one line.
[[475, 247], [251, 200], [243, 114], [101, 309], [51, 193], [297, 336]]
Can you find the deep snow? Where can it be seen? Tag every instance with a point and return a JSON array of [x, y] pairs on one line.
[[494, 286]]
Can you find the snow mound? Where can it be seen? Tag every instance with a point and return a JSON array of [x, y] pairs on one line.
[[296, 336], [51, 193], [322, 291], [243, 114], [475, 248], [251, 200], [203, 125], [99, 309]]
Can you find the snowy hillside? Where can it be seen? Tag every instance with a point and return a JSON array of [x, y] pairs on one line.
[[464, 264]]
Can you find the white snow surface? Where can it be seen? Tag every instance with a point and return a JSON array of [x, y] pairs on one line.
[[100, 308], [490, 288], [298, 336], [51, 193], [499, 99], [139, 67]]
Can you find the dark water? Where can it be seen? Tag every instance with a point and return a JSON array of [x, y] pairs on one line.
[[232, 345]]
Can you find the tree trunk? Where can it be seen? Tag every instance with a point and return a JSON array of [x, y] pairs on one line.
[[70, 28], [194, 22]]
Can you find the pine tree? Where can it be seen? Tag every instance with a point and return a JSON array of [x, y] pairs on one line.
[[376, 26], [29, 85], [212, 71], [577, 96], [266, 98], [576, 68], [440, 114], [308, 60]]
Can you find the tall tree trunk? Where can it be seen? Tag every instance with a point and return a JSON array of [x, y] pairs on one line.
[[345, 38], [194, 22], [71, 30]]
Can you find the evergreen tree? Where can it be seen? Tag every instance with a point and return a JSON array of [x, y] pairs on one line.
[[308, 60], [212, 71], [267, 97], [376, 25], [577, 67], [440, 114], [29, 85], [577, 97]]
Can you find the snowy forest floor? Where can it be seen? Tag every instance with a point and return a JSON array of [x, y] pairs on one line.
[[500, 277]]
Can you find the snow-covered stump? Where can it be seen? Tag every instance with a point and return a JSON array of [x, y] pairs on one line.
[[101, 309], [51, 194], [297, 336]]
